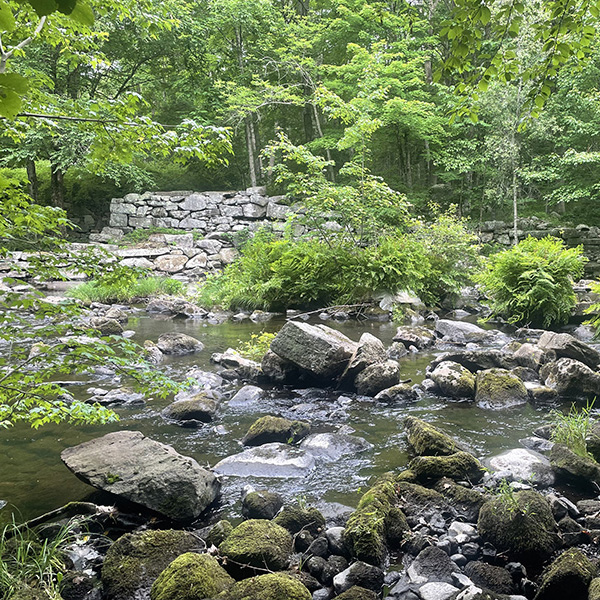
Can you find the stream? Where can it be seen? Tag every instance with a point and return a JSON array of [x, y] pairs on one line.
[[33, 479]]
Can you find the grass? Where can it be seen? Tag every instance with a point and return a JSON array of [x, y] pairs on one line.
[[29, 561], [572, 429], [127, 290]]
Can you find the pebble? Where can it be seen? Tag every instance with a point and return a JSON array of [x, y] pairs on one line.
[[459, 560]]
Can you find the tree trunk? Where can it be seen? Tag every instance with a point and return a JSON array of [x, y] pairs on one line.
[[57, 187], [320, 134], [251, 158], [33, 179]]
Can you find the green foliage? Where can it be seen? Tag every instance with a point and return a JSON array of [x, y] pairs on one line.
[[532, 283], [279, 273], [126, 290], [138, 236], [32, 562], [256, 347], [505, 496], [572, 429], [452, 253], [594, 310]]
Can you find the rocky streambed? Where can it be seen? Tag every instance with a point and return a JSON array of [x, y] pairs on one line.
[[357, 460]]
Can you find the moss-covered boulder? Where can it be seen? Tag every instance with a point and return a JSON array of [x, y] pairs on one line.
[[490, 577], [295, 518], [426, 440], [522, 525], [357, 593], [594, 589], [189, 577], [258, 543], [459, 466], [569, 576], [261, 504], [453, 380], [192, 411], [375, 524], [581, 470], [135, 560], [218, 532], [275, 429], [274, 586], [466, 501], [498, 389], [376, 378]]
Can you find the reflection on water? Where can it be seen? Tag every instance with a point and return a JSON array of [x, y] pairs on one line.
[[33, 479]]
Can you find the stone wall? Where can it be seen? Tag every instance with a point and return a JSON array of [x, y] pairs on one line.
[[203, 212], [501, 233]]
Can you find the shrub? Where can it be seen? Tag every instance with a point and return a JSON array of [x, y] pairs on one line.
[[280, 273], [126, 290], [532, 283], [256, 347]]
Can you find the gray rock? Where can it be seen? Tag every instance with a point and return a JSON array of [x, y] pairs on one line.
[[453, 380], [524, 465], [498, 389], [171, 263], [432, 564], [569, 377], [361, 574], [269, 460], [193, 411], [249, 394], [566, 346], [178, 343], [333, 446], [278, 369], [128, 464], [375, 378], [462, 332], [531, 356], [369, 351], [478, 360], [437, 590], [403, 392], [321, 351], [107, 326], [419, 337]]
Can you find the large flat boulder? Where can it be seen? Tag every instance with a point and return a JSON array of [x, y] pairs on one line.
[[319, 350], [570, 377], [129, 464], [462, 332]]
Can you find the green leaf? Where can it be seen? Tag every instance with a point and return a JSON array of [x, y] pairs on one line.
[[83, 13], [7, 20], [44, 7], [12, 87]]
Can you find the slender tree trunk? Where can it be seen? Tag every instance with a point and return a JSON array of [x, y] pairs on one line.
[[251, 159], [515, 206], [57, 186], [319, 129], [33, 179]]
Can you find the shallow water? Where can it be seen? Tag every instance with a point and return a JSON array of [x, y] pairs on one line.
[[33, 479]]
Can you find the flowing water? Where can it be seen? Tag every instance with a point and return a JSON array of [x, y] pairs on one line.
[[33, 479]]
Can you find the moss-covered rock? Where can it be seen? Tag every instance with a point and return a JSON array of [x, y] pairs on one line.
[[377, 522], [274, 586], [499, 388], [191, 576], [294, 518], [426, 440], [258, 543], [218, 533], [357, 593], [569, 576], [453, 380], [594, 589], [458, 466], [522, 526], [261, 504], [275, 429], [584, 471], [496, 579], [192, 411], [466, 501], [135, 560]]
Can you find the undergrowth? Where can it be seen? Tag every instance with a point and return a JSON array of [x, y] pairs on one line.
[[256, 347], [126, 290], [32, 563]]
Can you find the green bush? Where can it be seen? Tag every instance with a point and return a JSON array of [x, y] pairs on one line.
[[532, 283], [126, 290], [282, 273]]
